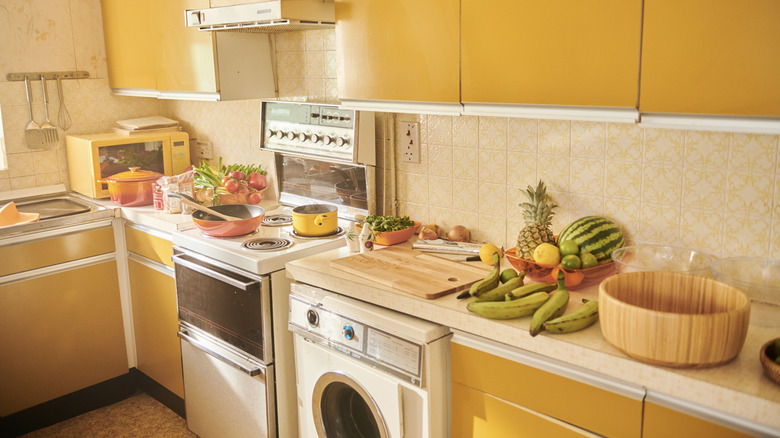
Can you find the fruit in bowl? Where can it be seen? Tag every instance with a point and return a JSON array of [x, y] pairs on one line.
[[575, 278]]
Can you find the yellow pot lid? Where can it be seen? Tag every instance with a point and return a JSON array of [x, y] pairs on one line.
[[135, 174], [9, 215]]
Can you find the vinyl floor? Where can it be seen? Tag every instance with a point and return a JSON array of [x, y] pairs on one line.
[[139, 416]]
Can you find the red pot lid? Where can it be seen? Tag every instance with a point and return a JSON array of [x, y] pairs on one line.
[[136, 174]]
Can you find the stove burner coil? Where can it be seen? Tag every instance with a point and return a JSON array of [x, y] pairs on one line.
[[338, 232], [277, 220], [267, 244]]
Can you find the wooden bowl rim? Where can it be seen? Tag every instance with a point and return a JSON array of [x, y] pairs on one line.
[[607, 296]]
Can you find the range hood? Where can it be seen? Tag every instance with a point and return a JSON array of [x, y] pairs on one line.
[[264, 17]]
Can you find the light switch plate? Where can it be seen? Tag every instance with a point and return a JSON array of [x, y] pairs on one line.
[[410, 141]]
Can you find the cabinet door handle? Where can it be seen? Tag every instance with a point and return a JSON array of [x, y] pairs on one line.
[[207, 348]]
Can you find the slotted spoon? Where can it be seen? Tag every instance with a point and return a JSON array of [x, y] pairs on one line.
[[47, 128], [32, 132]]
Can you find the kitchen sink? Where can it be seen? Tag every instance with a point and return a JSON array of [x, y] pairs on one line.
[[56, 210]]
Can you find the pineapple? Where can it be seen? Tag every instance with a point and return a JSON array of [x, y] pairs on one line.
[[537, 213]]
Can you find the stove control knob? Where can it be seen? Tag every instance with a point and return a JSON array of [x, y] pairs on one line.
[[269, 133], [278, 134], [291, 135], [342, 141], [349, 332], [314, 138], [328, 139], [302, 137], [313, 317]]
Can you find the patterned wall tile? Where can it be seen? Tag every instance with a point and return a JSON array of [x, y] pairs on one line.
[[492, 199], [554, 170], [664, 146], [439, 130], [521, 169], [588, 177], [464, 163], [753, 153], [659, 223], [441, 160], [708, 149], [465, 195], [703, 188], [523, 135], [492, 132], [624, 142], [492, 166], [627, 214], [701, 229], [465, 131], [555, 137], [440, 191], [661, 184], [623, 179], [745, 235], [588, 139], [749, 193]]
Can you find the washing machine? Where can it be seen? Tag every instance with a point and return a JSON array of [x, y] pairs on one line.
[[364, 371]]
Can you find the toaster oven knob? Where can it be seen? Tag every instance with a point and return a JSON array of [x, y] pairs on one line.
[[312, 317], [349, 332]]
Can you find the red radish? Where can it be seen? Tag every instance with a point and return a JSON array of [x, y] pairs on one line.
[[257, 181], [236, 174], [254, 198]]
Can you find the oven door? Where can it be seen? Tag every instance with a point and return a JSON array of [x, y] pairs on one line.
[[225, 302]]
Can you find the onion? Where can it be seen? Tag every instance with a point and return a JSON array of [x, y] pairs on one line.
[[429, 232], [458, 233]]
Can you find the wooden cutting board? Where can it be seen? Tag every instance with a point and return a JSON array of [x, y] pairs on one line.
[[410, 271]]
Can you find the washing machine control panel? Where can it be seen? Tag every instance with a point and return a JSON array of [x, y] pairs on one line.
[[352, 337]]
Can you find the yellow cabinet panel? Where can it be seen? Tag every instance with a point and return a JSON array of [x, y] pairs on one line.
[[479, 415], [47, 252], [402, 50], [663, 422], [184, 56], [575, 402], [130, 43], [59, 333], [557, 52], [149, 246], [704, 57], [155, 324]]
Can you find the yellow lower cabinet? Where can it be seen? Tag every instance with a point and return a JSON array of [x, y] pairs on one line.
[[155, 324], [149, 245], [663, 422], [525, 381], [476, 414], [59, 333]]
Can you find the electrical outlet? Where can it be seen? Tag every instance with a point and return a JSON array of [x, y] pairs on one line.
[[410, 142], [203, 150]]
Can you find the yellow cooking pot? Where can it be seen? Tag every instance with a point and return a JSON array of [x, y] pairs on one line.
[[315, 220]]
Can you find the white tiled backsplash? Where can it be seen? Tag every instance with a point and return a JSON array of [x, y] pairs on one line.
[[711, 191]]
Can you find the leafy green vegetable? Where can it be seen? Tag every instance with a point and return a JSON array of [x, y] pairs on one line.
[[383, 224]]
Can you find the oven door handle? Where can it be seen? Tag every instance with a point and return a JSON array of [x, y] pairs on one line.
[[178, 259], [248, 368]]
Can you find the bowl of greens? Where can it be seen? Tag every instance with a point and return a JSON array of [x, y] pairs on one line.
[[390, 230]]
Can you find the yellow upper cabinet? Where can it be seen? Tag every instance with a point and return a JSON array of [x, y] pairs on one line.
[[704, 57], [149, 47], [555, 52], [184, 57], [129, 44], [402, 50]]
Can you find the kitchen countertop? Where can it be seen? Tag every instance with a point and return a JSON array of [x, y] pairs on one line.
[[738, 388]]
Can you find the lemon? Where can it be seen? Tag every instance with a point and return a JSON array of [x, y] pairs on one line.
[[568, 247], [588, 260], [571, 261], [547, 254], [486, 253]]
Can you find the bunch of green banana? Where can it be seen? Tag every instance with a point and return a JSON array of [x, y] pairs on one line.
[[489, 282], [553, 308], [529, 289], [583, 317], [509, 309], [499, 292]]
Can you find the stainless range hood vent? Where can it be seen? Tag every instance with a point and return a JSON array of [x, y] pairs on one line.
[[272, 16]]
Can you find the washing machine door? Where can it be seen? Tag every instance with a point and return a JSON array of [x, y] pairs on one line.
[[343, 409]]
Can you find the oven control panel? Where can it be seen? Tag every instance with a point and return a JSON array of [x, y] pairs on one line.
[[320, 130]]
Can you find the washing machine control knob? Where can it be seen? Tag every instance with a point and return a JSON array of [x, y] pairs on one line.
[[349, 332], [313, 317]]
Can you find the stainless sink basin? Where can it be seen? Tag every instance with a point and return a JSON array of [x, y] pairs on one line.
[[56, 210]]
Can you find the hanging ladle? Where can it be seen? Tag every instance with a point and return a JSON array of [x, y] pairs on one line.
[[186, 199]]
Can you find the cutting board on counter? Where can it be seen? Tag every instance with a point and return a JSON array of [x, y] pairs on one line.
[[418, 273]]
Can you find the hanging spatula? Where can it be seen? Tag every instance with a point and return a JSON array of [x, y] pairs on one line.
[[32, 132], [49, 130]]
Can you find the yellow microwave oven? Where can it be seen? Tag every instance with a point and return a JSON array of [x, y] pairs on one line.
[[93, 157]]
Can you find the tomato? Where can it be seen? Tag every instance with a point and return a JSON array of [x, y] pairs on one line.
[[235, 174], [243, 191], [225, 179], [257, 181], [254, 198], [231, 186]]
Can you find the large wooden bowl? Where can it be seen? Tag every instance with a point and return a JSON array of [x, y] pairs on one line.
[[673, 319]]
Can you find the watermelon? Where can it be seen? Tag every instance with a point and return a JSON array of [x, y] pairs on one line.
[[594, 234]]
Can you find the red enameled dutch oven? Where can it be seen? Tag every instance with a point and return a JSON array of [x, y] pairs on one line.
[[133, 188]]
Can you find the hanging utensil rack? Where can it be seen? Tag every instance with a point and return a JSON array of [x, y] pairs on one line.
[[48, 75]]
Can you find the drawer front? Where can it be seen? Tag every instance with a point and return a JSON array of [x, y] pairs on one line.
[[479, 415], [152, 247], [60, 249], [662, 422], [569, 400]]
